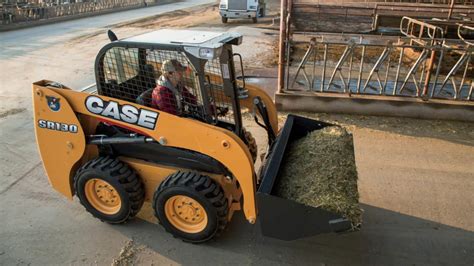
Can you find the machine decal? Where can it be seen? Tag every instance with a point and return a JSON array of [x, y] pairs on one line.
[[57, 126], [225, 71], [53, 103], [125, 113]]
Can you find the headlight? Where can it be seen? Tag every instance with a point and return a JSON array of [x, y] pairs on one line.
[[252, 7]]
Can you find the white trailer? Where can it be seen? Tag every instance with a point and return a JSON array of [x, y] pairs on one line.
[[241, 9]]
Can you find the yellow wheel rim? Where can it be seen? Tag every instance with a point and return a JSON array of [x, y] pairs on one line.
[[186, 214], [102, 196]]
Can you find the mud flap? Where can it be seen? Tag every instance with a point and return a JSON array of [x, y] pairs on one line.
[[286, 219]]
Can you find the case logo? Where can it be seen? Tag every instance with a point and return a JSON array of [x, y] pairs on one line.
[[53, 103], [125, 113]]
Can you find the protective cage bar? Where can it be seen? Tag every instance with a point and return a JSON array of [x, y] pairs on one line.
[[132, 74]]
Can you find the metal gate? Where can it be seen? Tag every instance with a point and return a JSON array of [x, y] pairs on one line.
[[422, 64]]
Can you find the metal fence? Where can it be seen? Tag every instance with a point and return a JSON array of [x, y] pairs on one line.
[[12, 15], [436, 69]]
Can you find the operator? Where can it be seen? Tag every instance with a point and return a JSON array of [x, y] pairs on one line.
[[170, 95]]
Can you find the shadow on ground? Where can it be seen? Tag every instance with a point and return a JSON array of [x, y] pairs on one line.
[[387, 238]]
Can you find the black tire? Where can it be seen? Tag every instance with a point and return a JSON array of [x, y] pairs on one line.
[[251, 143], [121, 177], [254, 20], [224, 19], [200, 188]]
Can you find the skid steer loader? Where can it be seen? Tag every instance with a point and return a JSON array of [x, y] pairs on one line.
[[112, 148]]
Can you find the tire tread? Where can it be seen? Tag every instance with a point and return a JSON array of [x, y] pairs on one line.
[[203, 185]]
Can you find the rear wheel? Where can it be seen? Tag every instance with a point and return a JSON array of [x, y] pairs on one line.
[[191, 206], [109, 190], [224, 19], [254, 20], [251, 143]]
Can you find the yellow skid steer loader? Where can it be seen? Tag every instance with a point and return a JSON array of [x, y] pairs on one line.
[[114, 146]]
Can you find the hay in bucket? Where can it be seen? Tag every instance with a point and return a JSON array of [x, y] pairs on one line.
[[319, 170]]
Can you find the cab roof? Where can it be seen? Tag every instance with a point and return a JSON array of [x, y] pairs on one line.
[[187, 38]]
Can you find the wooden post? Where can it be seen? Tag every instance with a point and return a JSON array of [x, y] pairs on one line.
[[426, 86], [281, 51]]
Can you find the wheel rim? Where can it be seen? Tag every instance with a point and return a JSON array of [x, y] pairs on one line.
[[186, 214], [102, 196]]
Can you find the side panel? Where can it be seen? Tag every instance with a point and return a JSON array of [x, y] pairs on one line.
[[59, 136], [153, 174]]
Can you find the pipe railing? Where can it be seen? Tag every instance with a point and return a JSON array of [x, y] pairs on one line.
[[392, 69]]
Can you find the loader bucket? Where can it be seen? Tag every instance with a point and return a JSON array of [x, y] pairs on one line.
[[286, 219]]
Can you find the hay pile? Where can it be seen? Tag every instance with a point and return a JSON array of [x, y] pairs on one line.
[[126, 255], [319, 171]]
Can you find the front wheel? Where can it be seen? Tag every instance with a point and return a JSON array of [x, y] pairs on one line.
[[254, 20], [191, 206], [224, 19]]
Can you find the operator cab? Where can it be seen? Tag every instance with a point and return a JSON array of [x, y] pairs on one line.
[[128, 69]]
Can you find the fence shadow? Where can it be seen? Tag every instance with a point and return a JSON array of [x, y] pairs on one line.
[[451, 131]]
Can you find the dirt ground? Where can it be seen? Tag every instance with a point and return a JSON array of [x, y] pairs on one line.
[[260, 42], [259, 45], [328, 23], [415, 177]]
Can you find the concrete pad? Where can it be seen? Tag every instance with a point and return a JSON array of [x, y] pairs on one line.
[[375, 105], [416, 188]]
